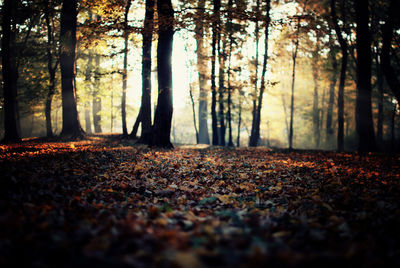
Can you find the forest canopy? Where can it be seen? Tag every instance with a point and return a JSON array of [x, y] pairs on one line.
[[289, 74]]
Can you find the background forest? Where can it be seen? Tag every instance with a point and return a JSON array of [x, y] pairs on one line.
[[290, 74]]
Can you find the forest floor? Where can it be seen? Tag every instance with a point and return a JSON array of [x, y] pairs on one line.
[[106, 202]]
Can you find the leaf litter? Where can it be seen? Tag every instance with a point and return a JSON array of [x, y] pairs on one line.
[[113, 203]]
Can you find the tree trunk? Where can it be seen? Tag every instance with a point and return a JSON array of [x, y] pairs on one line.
[[202, 69], [229, 115], [256, 132], [229, 104], [393, 127], [252, 142], [145, 109], [125, 70], [365, 128], [112, 107], [294, 57], [316, 113], [96, 99], [88, 122], [10, 73], [329, 115], [215, 24], [239, 118], [71, 127], [391, 78], [343, 68], [194, 114], [221, 90], [163, 115], [51, 67], [322, 113], [379, 128], [89, 82], [135, 128], [285, 113]]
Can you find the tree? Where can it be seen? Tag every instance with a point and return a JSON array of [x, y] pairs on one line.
[[239, 124], [343, 69], [202, 69], [255, 80], [96, 99], [88, 79], [52, 63], [365, 128], [392, 20], [71, 127], [125, 70], [215, 25], [255, 133], [221, 87], [316, 76], [145, 108], [163, 114], [229, 104], [294, 57], [10, 72], [332, 85], [379, 74]]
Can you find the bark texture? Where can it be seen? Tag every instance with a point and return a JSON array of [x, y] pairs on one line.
[[10, 72], [343, 69], [163, 115], [145, 109], [204, 137], [71, 127], [125, 70], [365, 128]]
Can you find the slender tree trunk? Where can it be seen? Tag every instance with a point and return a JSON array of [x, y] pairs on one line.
[[252, 142], [229, 115], [194, 114], [96, 99], [89, 83], [88, 122], [256, 132], [10, 73], [343, 69], [221, 90], [292, 103], [71, 126], [391, 77], [316, 113], [365, 128], [285, 113], [239, 118], [215, 24], [145, 108], [163, 116], [135, 128], [294, 57], [202, 69], [322, 113], [88, 79], [125, 70], [329, 115], [49, 99], [112, 107], [51, 67], [393, 127], [379, 129]]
